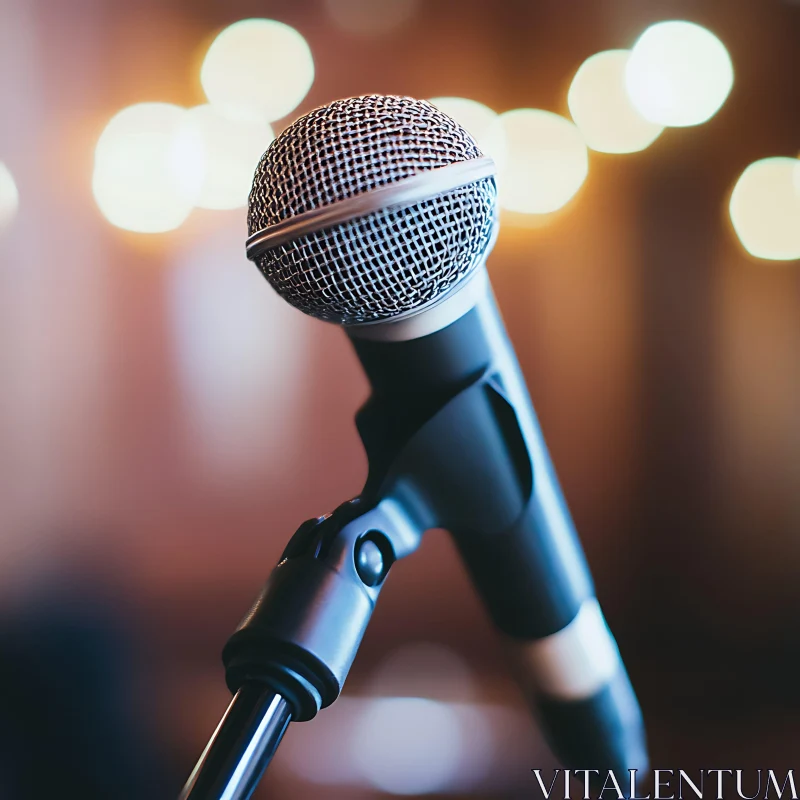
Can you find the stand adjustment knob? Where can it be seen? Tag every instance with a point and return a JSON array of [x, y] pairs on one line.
[[370, 562]]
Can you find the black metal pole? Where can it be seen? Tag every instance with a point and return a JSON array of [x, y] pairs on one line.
[[241, 747]]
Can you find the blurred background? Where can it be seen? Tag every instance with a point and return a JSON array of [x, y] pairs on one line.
[[166, 421]]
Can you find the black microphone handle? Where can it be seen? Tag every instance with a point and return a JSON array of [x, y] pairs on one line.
[[450, 426], [452, 442]]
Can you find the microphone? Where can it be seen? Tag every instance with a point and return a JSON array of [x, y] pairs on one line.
[[377, 213]]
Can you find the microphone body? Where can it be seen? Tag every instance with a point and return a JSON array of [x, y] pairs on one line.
[[450, 432]]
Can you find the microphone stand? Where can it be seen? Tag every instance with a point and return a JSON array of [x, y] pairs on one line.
[[293, 650], [242, 746], [428, 469]]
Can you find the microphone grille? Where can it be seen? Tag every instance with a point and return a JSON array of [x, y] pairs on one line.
[[388, 262]]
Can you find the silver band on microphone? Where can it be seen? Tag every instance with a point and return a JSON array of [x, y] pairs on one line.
[[572, 664], [400, 194]]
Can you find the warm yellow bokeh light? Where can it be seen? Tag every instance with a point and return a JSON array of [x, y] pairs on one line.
[[547, 161], [602, 109], [230, 150], [478, 120], [257, 69], [9, 197], [678, 74], [765, 209], [145, 175]]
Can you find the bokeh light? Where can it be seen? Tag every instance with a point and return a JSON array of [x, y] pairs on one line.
[[602, 109], [765, 209], [492, 741], [371, 17], [257, 69], [409, 745], [230, 150], [678, 74], [146, 176], [9, 197], [547, 161], [424, 669], [480, 121]]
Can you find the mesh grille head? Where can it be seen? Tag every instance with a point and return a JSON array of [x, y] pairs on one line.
[[386, 263]]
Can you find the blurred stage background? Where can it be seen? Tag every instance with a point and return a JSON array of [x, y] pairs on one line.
[[166, 422]]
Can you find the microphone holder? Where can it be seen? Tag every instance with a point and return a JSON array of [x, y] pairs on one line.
[[292, 652]]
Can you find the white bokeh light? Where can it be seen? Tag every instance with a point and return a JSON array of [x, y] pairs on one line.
[[424, 669], [492, 741], [409, 745], [546, 164], [230, 150], [478, 120], [257, 69], [146, 176], [602, 109], [765, 209], [9, 197], [678, 74]]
